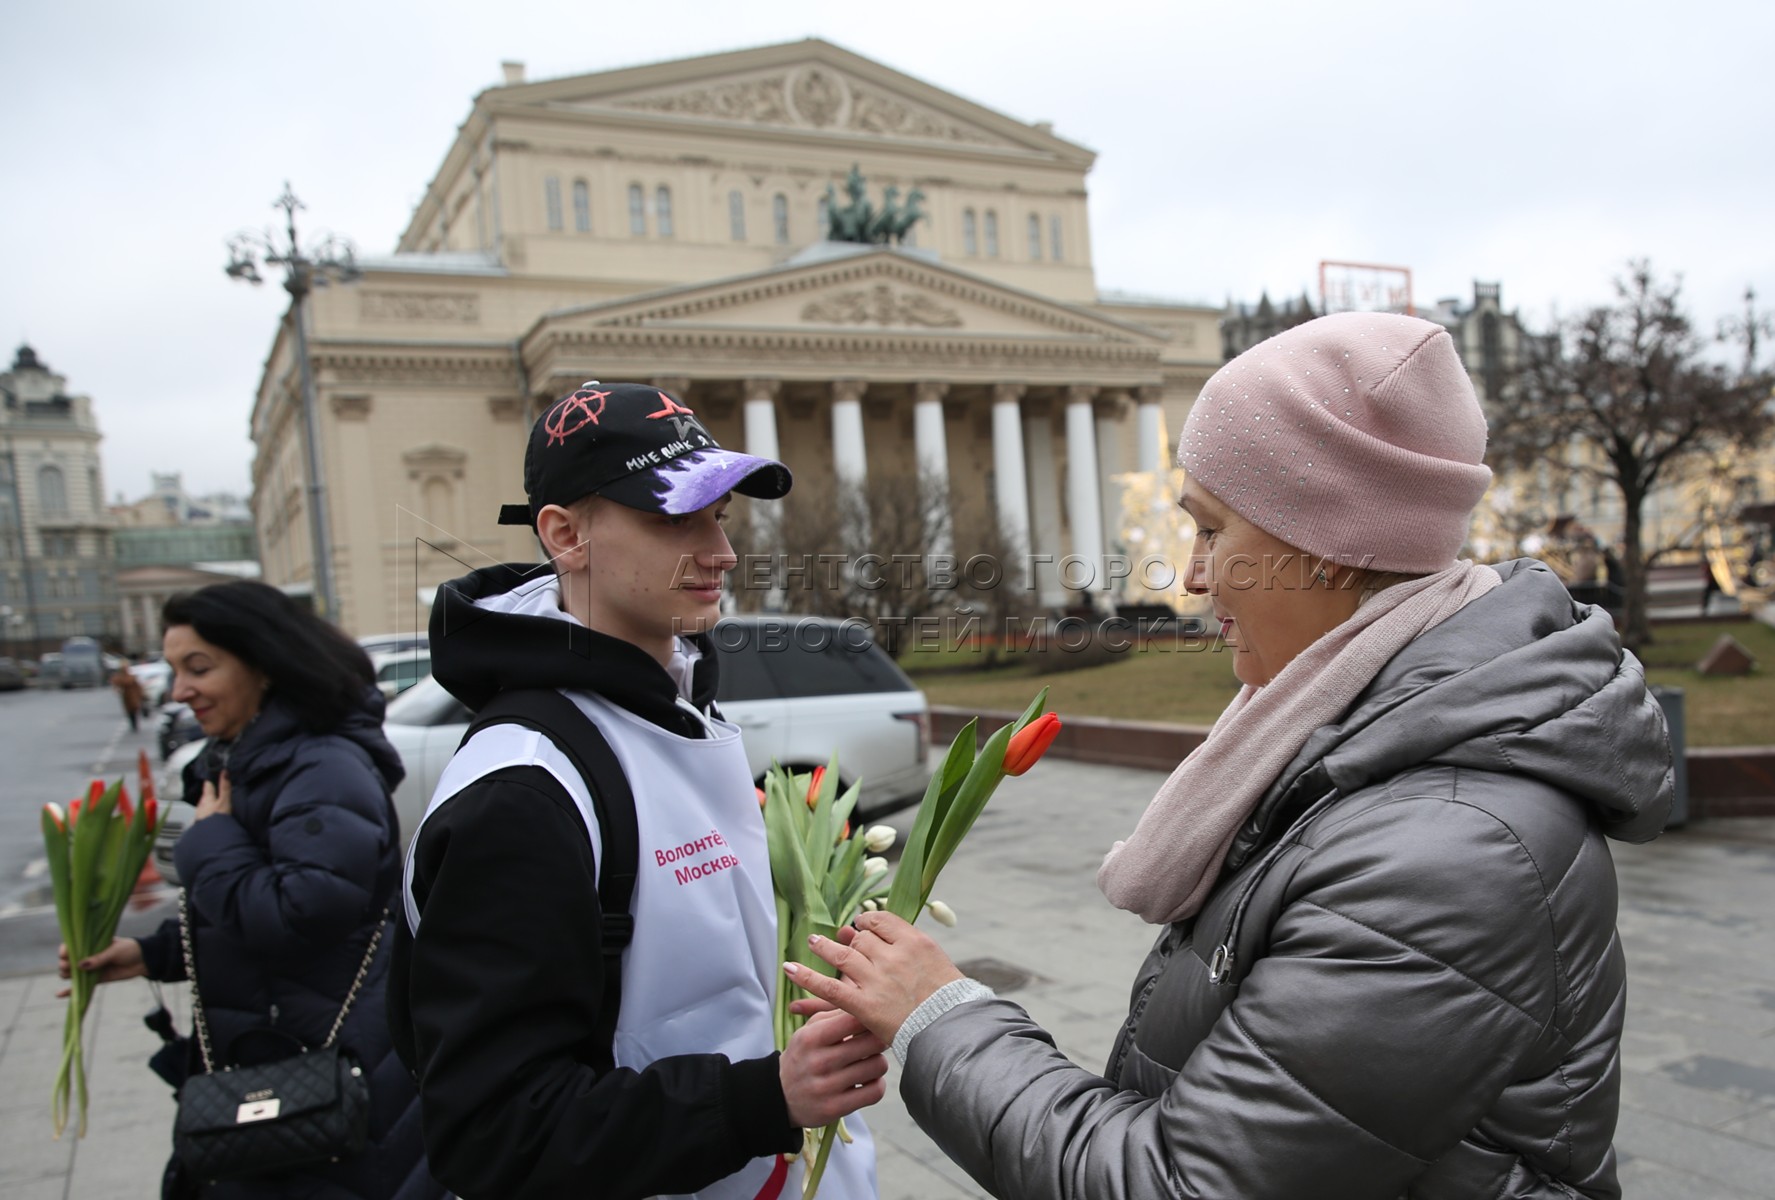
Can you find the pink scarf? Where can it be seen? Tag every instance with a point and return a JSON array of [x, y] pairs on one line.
[[1167, 866]]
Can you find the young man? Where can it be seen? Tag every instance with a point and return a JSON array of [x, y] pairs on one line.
[[508, 966]]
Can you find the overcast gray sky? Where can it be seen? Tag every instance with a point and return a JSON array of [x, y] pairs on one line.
[[1539, 145]]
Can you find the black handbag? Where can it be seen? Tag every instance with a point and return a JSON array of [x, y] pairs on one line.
[[305, 1110]]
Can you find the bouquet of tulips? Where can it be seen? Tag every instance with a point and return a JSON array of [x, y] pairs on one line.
[[96, 854], [824, 876]]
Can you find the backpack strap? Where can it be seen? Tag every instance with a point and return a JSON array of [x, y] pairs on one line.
[[557, 718]]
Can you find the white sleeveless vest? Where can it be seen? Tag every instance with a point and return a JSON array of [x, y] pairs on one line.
[[699, 974]]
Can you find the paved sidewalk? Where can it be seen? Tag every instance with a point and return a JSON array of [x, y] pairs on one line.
[[1698, 1116]]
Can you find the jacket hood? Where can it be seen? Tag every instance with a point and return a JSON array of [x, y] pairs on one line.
[[276, 734], [1521, 681], [501, 629]]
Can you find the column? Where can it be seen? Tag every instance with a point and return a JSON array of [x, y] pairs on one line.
[[1083, 501], [850, 461], [761, 417], [1150, 444], [760, 423], [931, 450], [1011, 481], [1107, 416], [1044, 506]]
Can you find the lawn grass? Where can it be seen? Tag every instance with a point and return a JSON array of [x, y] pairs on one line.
[[1190, 683]]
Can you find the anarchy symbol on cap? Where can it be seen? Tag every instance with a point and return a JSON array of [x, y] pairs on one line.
[[577, 405]]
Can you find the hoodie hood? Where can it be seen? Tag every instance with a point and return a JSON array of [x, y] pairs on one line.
[[1522, 681], [501, 629]]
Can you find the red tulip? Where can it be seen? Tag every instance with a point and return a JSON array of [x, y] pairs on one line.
[[813, 786], [55, 814], [761, 796], [94, 792], [1030, 743], [74, 812], [123, 808], [146, 775], [150, 809]]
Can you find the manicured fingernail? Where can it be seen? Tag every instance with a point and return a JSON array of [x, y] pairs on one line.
[[814, 939], [791, 970]]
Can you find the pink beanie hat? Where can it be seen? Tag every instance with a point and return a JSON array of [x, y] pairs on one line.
[[1354, 437]]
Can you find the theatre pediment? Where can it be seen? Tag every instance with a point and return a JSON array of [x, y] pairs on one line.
[[869, 292], [810, 86]]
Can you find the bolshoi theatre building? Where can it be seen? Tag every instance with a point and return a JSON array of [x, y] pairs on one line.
[[667, 224]]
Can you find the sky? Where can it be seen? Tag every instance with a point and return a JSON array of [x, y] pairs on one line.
[[1536, 145]]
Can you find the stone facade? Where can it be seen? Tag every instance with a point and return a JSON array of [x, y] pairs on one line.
[[663, 223], [56, 557]]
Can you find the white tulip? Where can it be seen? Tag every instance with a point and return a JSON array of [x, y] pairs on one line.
[[874, 866], [870, 906], [879, 839], [942, 914]]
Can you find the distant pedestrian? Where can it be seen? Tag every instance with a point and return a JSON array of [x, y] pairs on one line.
[[129, 690]]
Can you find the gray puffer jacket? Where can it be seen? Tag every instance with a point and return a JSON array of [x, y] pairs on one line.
[[1406, 983]]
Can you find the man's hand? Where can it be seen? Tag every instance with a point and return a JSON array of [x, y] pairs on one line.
[[831, 1068], [122, 959]]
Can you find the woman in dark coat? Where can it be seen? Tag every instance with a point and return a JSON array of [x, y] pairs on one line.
[[289, 865]]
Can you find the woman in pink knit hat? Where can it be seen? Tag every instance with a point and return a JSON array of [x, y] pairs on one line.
[[1386, 961]]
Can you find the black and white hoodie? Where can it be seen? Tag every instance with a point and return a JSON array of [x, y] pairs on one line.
[[497, 975]]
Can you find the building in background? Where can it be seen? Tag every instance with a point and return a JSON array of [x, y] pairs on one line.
[[169, 542], [56, 560], [1243, 326], [666, 223]]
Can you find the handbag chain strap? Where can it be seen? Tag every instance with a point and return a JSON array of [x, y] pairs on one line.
[[201, 1026]]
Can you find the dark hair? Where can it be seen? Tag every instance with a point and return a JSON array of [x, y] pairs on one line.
[[312, 667]]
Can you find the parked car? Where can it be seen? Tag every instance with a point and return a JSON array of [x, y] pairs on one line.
[[392, 643], [156, 679], [83, 663], [178, 726], [12, 676], [49, 669], [178, 815], [398, 670], [799, 688]]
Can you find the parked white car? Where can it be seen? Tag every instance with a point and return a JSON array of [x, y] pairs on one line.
[[398, 670], [799, 688], [156, 679]]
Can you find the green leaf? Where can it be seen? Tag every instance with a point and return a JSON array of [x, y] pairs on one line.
[[970, 801], [1034, 710], [905, 896]]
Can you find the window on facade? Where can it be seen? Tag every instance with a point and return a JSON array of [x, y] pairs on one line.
[[970, 237], [551, 200], [1054, 239], [1035, 238], [662, 211], [991, 234], [582, 207], [637, 210], [736, 216], [52, 490], [779, 218]]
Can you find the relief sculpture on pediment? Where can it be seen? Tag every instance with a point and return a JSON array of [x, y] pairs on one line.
[[877, 112], [744, 100], [881, 305]]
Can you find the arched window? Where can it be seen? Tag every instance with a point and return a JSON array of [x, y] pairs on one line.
[[52, 490], [1054, 239], [662, 211], [991, 234], [970, 239], [582, 206], [779, 218], [637, 210], [736, 215], [1035, 238], [551, 200]]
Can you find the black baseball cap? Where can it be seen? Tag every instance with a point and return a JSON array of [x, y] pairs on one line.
[[638, 446]]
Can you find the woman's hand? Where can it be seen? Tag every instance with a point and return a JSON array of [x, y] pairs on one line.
[[122, 959], [831, 1068], [214, 800], [887, 969]]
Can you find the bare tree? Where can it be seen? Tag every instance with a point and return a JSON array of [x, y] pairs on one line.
[[893, 552], [1627, 386]]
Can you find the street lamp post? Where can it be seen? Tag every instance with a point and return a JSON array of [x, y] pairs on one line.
[[332, 260]]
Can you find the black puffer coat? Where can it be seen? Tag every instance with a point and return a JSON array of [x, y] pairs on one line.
[[1408, 981], [285, 894]]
